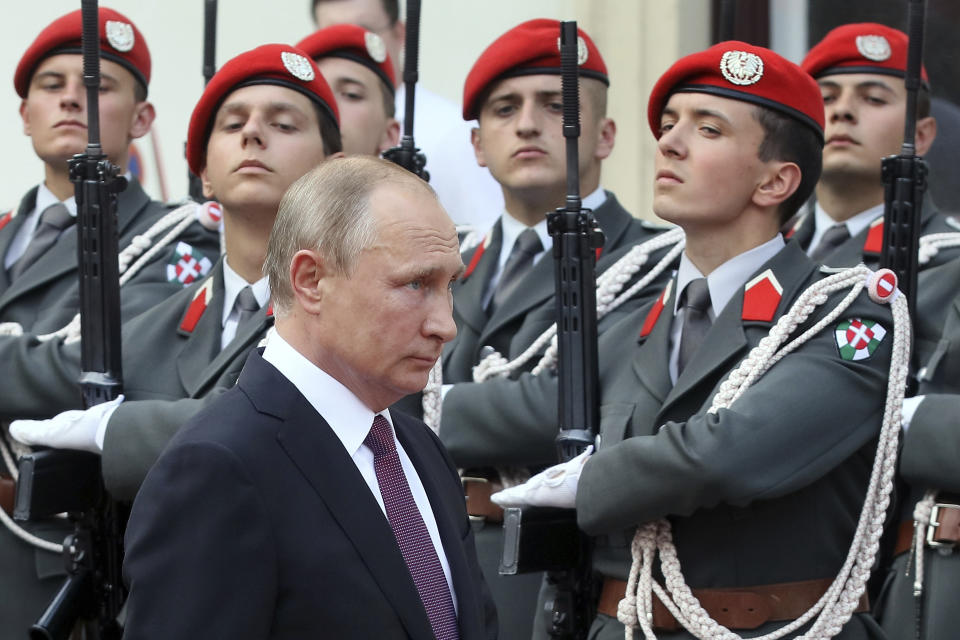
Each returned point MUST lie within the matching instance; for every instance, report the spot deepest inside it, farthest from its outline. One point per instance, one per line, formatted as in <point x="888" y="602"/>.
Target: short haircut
<point x="328" y="210"/>
<point x="390" y="7"/>
<point x="786" y="139"/>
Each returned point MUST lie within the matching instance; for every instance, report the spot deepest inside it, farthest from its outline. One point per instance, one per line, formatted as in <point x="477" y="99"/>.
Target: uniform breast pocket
<point x="613" y="422"/>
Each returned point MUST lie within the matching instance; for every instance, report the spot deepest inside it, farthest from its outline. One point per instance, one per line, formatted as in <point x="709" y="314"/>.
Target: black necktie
<point x="832" y="238"/>
<point x="525" y="249"/>
<point x="52" y="223"/>
<point x="246" y="305"/>
<point x="695" y="302"/>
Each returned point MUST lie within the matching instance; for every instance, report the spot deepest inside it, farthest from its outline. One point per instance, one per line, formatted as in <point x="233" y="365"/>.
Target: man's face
<point x="368" y="14"/>
<point x="706" y="163"/>
<point x="520" y="136"/>
<point x="54" y="112"/>
<point x="364" y="125"/>
<point x="864" y="122"/>
<point x="393" y="314"/>
<point x="264" y="137"/>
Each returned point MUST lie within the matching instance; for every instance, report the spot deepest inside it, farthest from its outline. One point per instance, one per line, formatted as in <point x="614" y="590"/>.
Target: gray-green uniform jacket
<point x="45" y="296"/>
<point x="930" y="460"/>
<point x="765" y="492"/>
<point x="170" y="371"/>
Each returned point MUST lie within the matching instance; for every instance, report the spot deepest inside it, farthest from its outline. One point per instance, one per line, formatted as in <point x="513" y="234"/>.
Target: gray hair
<point x="328" y="210"/>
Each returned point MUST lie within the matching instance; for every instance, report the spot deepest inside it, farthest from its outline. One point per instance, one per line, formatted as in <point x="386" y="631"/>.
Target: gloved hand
<point x="553" y="487"/>
<point x="81" y="430"/>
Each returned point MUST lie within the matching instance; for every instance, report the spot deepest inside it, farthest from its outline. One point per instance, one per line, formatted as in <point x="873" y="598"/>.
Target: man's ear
<point x="477" y="147"/>
<point x="143" y="116"/>
<point x="25" y="116"/>
<point x="926" y="134"/>
<point x="606" y="135"/>
<point x="391" y="135"/>
<point x="780" y="182"/>
<point x="207" y="187"/>
<point x="309" y="276"/>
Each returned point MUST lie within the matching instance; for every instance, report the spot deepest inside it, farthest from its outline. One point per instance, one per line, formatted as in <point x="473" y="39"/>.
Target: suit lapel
<point x="651" y="360"/>
<point x="319" y="455"/>
<point x="7" y="234"/>
<point x="203" y="341"/>
<point x="129" y="203"/>
<point x="247" y="336"/>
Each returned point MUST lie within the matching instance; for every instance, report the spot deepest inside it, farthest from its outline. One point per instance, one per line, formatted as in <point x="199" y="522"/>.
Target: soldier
<point x="466" y="191"/>
<point x="38" y="282"/>
<point x="928" y="466"/>
<point x="265" y="119"/>
<point x="860" y="69"/>
<point x="356" y="65"/>
<point x="761" y="495"/>
<point x="505" y="299"/>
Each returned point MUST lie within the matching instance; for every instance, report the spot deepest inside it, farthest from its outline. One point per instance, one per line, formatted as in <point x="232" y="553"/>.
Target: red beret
<point x="277" y="64"/>
<point x="353" y="43"/>
<point x="120" y="42"/>
<point x="531" y="48"/>
<point x="863" y="47"/>
<point x="741" y="71"/>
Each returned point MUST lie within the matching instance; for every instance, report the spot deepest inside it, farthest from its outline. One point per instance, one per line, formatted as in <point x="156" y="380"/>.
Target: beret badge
<point x="741" y="67"/>
<point x="298" y="66"/>
<point x="375" y="47"/>
<point x="874" y="48"/>
<point x="120" y="35"/>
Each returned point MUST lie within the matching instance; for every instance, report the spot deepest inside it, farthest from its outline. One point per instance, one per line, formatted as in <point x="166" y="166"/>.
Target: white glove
<point x="83" y="430"/>
<point x="910" y="406"/>
<point x="553" y="487"/>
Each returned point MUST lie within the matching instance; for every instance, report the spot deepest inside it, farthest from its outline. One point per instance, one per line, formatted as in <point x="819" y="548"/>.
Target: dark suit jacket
<point x="255" y="523"/>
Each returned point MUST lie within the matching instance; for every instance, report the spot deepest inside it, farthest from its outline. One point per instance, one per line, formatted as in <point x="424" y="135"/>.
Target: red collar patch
<point x="197" y="306"/>
<point x="874" y="241"/>
<point x="795" y="227"/>
<point x="270" y="310"/>
<point x="655" y="311"/>
<point x="475" y="260"/>
<point x="7" y="217"/>
<point x="761" y="297"/>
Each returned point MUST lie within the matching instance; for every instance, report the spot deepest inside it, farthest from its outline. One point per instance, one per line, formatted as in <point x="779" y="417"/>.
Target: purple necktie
<point x="410" y="531"/>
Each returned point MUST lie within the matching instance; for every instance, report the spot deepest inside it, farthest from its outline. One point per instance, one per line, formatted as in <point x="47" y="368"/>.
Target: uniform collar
<point x="822" y="221"/>
<point x="729" y="278"/>
<point x="346" y="414"/>
<point x="45" y="198"/>
<point x="233" y="283"/>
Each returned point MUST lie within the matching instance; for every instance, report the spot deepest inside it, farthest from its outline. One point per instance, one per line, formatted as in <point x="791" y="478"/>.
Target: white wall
<point x="454" y="32"/>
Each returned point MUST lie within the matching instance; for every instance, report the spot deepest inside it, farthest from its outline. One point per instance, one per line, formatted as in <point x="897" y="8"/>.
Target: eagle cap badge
<point x="582" y="53"/>
<point x="741" y="67"/>
<point x="376" y="49"/>
<point x="120" y="35"/>
<point x="298" y="66"/>
<point x="874" y="48"/>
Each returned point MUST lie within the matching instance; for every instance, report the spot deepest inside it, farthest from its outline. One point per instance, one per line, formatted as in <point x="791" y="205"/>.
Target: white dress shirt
<point x="233" y="283"/>
<point x="723" y="283"/>
<point x="24" y="234"/>
<point x="822" y="221"/>
<point x="511" y="228"/>
<point x="351" y="421"/>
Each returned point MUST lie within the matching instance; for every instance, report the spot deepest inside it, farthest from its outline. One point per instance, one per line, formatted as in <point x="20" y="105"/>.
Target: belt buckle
<point x="934" y="523"/>
<point x="476" y="521"/>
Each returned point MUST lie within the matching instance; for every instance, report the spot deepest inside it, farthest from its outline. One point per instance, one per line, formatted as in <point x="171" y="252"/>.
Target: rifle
<point x="53" y="481"/>
<point x="547" y="539"/>
<point x="905" y="177"/>
<point x="195" y="188"/>
<point x="407" y="155"/>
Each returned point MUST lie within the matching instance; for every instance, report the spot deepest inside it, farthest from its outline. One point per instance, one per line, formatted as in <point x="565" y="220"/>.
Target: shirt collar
<point x="346" y="414"/>
<point x="233" y="283"/>
<point x="854" y="225"/>
<point x="724" y="281"/>
<point x="45" y="198"/>
<point x="511" y="227"/>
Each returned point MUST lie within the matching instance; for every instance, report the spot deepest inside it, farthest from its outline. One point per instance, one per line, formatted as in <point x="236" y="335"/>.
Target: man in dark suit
<point x="297" y="505"/>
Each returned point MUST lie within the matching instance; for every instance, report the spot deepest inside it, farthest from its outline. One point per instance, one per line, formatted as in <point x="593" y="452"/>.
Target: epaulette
<point x="655" y="311"/>
<point x="761" y="297"/>
<point x="196" y="308"/>
<point x="874" y="241"/>
<point x="5" y="219"/>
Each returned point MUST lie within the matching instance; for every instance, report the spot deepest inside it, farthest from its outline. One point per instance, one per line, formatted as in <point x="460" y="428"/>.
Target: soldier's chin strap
<point x="841" y="599"/>
<point x="610" y="295"/>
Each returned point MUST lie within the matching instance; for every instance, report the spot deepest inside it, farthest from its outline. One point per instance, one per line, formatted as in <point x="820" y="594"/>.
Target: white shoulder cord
<point x="841" y="599"/>
<point x="930" y="244"/>
<point x="609" y="284"/>
<point x="132" y="259"/>
<point x="176" y="221"/>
